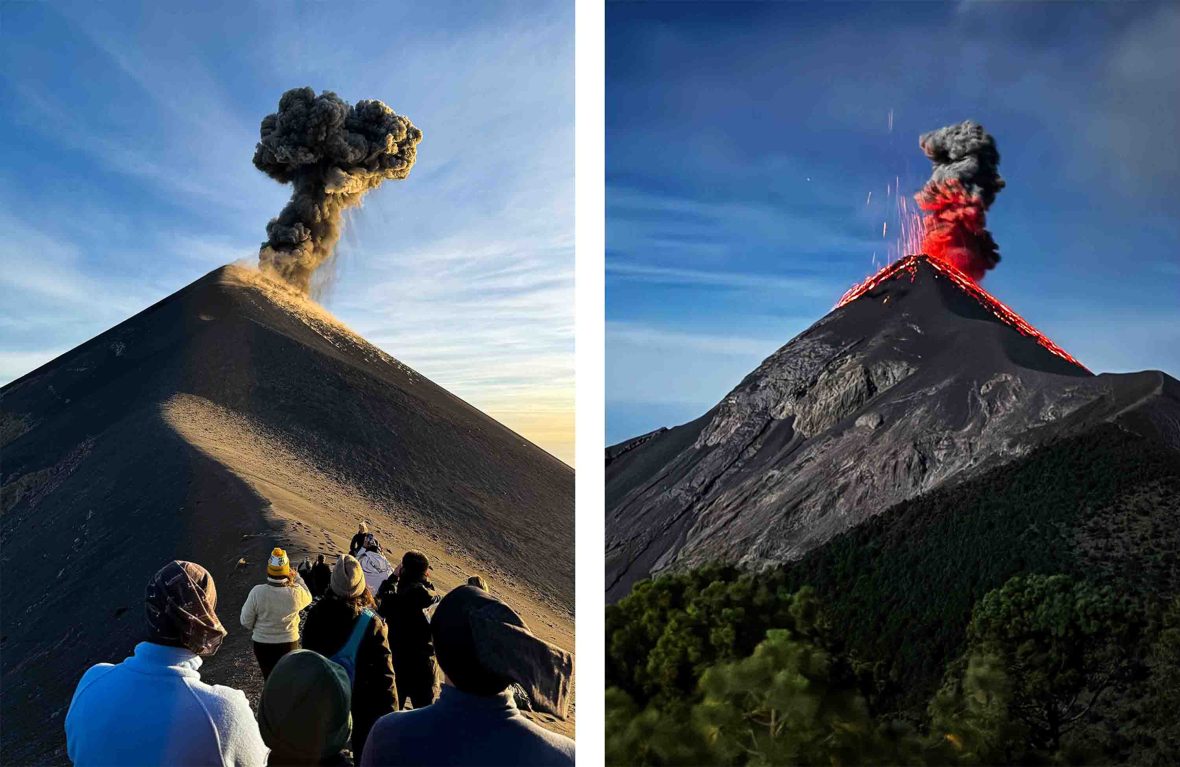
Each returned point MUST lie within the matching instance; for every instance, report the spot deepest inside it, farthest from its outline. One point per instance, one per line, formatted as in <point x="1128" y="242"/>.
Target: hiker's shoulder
<point x="559" y="747"/>
<point x="395" y="727"/>
<point x="94" y="675"/>
<point x="418" y="593"/>
<point x="377" y="625"/>
<point x="228" y="701"/>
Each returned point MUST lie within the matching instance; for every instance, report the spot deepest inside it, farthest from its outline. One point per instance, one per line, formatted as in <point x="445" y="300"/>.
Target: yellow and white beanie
<point x="278" y="566"/>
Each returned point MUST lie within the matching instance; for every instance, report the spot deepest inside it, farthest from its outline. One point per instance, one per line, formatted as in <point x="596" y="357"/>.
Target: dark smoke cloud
<point x="331" y="153"/>
<point x="962" y="186"/>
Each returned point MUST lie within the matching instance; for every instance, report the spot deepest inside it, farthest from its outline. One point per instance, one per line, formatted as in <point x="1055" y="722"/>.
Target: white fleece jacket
<point x="153" y="709"/>
<point x="272" y="612"/>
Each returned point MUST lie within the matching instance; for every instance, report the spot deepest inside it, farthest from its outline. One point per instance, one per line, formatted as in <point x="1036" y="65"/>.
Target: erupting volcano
<point x="909" y="265"/>
<point x="953" y="233"/>
<point x="917" y="380"/>
<point x="963" y="184"/>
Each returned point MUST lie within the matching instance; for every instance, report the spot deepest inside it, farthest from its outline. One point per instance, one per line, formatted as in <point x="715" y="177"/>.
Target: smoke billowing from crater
<point x="331" y="153"/>
<point x="962" y="186"/>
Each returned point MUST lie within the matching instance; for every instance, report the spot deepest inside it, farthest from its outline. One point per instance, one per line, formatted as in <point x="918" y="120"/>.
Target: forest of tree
<point x="1029" y="616"/>
<point x="716" y="667"/>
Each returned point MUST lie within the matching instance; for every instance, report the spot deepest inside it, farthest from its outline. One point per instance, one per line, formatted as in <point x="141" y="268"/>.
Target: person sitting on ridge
<point x="413" y="651"/>
<point x="358" y="540"/>
<point x="304" y="712"/>
<point x="271" y="611"/>
<point x="483" y="647"/>
<point x="153" y="708"/>
<point x="328" y="630"/>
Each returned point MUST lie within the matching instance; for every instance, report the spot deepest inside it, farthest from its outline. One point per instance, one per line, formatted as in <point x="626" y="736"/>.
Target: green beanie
<point x="305" y="712"/>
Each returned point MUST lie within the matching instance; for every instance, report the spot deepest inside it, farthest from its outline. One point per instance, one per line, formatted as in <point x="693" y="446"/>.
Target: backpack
<point x="346" y="655"/>
<point x="376" y="569"/>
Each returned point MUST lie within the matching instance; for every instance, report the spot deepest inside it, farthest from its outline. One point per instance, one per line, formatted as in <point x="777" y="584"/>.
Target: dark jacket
<point x="386" y="594"/>
<point x="321" y="576"/>
<point x="374" y="691"/>
<point x="410" y="638"/>
<point x="465" y="730"/>
<point x="358" y="540"/>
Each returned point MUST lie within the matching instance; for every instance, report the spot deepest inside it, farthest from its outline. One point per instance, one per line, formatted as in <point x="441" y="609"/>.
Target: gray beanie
<point x="348" y="580"/>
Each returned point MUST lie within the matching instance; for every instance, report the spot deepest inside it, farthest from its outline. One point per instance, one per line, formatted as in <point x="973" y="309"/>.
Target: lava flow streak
<point x="909" y="265"/>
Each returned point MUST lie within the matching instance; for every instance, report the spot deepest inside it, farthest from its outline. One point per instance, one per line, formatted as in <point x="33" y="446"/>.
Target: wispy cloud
<point x="1119" y="339"/>
<point x="657" y="375"/>
<point x="464" y="271"/>
<point x="800" y="286"/>
<point x="491" y="323"/>
<point x="716" y="229"/>
<point x="187" y="143"/>
<point x="43" y="270"/>
<point x="657" y="339"/>
<point x="13" y="365"/>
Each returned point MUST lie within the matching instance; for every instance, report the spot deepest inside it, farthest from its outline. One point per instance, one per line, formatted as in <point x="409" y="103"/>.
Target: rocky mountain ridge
<point x="914" y="385"/>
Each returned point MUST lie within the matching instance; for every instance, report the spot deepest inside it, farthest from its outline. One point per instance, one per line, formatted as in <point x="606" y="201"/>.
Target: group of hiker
<point x="338" y="694"/>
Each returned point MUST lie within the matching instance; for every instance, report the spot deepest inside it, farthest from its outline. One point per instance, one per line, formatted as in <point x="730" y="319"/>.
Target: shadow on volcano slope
<point x="228" y="418"/>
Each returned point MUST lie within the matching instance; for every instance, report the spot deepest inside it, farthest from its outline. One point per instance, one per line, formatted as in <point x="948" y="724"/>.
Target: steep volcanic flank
<point x="228" y="418"/>
<point x="909" y="266"/>
<point x="917" y="380"/>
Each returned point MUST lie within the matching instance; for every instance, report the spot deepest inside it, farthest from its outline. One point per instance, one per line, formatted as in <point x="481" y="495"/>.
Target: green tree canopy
<point x="789" y="702"/>
<point x="1041" y="653"/>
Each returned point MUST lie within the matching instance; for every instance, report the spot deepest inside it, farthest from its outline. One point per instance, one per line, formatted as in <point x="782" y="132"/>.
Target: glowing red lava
<point x="954" y="228"/>
<point x="909" y="264"/>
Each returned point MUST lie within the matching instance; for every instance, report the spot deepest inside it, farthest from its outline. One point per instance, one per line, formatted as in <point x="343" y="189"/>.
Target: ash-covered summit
<point x="919" y="381"/>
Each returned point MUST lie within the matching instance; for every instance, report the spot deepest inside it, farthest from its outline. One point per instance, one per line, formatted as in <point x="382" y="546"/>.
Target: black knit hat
<point x="484" y="646"/>
<point x="414" y="566"/>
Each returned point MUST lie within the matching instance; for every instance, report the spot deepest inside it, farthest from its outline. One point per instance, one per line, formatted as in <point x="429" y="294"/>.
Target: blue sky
<point x="743" y="140"/>
<point x="128" y="131"/>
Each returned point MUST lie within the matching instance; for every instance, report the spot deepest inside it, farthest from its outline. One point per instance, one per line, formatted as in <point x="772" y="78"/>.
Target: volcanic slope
<point x="916" y="384"/>
<point x="231" y="417"/>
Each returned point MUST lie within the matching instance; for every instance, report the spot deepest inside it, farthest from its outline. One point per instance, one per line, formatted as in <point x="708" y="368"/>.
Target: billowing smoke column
<point x="331" y="153"/>
<point x="961" y="188"/>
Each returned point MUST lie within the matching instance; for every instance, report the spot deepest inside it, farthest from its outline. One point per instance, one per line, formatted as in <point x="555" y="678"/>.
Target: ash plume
<point x="331" y="153"/>
<point x="962" y="186"/>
